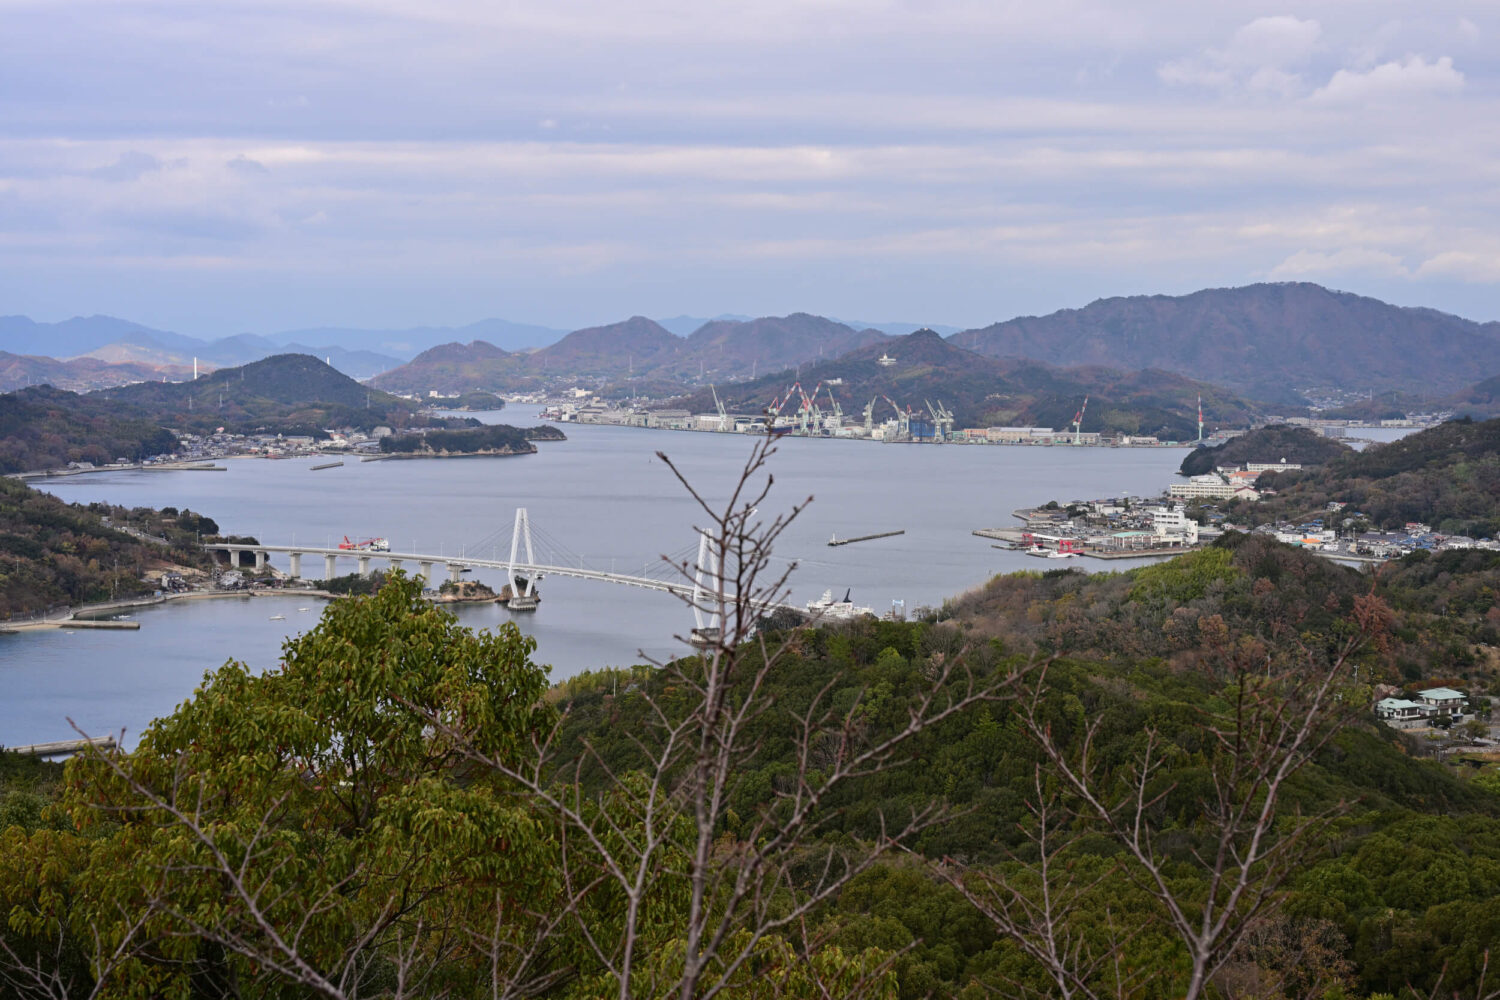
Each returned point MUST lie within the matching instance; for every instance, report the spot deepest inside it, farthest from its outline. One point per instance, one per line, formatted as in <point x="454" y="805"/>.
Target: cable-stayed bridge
<point x="534" y="554"/>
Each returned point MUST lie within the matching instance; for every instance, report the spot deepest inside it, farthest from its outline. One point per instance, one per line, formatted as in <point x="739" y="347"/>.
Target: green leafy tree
<point x="309" y="830"/>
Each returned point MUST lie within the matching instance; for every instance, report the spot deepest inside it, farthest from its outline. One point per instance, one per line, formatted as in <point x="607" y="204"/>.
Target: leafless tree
<point x="1242" y="849"/>
<point x="662" y="828"/>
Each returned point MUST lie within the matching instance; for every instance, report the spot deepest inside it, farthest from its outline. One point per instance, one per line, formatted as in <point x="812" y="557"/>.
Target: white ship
<point x="826" y="608"/>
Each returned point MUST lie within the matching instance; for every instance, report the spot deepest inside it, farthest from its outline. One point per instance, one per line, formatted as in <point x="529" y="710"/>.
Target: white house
<point x="1444" y="701"/>
<point x="1400" y="713"/>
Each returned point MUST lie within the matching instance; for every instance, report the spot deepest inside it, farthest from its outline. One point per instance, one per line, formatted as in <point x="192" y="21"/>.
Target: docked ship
<point x="826" y="608"/>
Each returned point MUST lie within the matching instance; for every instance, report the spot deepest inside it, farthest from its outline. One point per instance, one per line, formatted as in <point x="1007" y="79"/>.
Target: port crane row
<point x="807" y="415"/>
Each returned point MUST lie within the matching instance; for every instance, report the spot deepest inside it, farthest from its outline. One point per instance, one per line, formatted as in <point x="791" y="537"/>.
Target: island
<point x="495" y="439"/>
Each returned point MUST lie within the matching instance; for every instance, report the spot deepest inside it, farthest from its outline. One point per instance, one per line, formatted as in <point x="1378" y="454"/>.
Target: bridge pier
<point x="261" y="555"/>
<point x="364" y="566"/>
<point x="426" y="573"/>
<point x="294" y="565"/>
<point x="453" y="571"/>
<point x="330" y="566"/>
<point x="395" y="565"/>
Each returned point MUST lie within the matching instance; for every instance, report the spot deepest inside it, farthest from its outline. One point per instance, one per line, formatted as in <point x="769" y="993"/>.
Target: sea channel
<point x="603" y="497"/>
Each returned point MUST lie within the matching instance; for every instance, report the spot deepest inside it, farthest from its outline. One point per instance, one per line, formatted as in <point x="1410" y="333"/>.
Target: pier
<point x="327" y="465"/>
<point x="836" y="540"/>
<point x="58" y="748"/>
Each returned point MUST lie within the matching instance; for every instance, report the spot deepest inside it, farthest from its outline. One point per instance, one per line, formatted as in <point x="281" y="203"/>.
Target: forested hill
<point x="1382" y="876"/>
<point x="990" y="392"/>
<point x="45" y="428"/>
<point x="285" y="391"/>
<point x="1275" y="443"/>
<point x="1481" y="400"/>
<point x="1446" y="476"/>
<point x="52" y="553"/>
<point x="1265" y="340"/>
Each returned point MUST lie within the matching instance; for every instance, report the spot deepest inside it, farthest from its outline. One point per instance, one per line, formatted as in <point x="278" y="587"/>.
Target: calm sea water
<point x="602" y="496"/>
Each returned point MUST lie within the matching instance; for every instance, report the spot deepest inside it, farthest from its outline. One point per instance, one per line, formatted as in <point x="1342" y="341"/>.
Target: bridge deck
<point x="679" y="588"/>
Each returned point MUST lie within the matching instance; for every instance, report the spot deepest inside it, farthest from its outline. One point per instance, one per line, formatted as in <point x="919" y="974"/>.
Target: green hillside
<point x="52" y="553"/>
<point x="1447" y="476"/>
<point x="1278" y="442"/>
<point x="46" y="428"/>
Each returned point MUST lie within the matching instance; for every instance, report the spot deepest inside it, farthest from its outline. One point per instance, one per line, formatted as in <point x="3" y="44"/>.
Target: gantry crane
<point x="942" y="421"/>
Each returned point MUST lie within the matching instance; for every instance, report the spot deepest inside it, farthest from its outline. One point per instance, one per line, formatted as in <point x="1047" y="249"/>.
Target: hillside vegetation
<point x="1391" y="880"/>
<point x="45" y="428"/>
<point x="287" y="393"/>
<point x="1266" y="340"/>
<point x="52" y="553"/>
<point x="1446" y="476"/>
<point x="1276" y="443"/>
<point x="492" y="439"/>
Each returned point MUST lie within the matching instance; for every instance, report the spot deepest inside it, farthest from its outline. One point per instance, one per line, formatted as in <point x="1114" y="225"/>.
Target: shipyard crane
<point x="838" y="411"/>
<point x="773" y="412"/>
<point x="942" y="421"/>
<point x="1078" y="422"/>
<point x="903" y="418"/>
<point x="870" y="416"/>
<point x="723" y="417"/>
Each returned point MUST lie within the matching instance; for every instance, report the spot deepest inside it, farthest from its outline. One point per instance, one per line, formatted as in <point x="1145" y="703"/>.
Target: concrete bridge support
<point x="453" y="571"/>
<point x="395" y="565"/>
<point x="294" y="565"/>
<point x="261" y="555"/>
<point x="426" y="573"/>
<point x="330" y="567"/>
<point x="364" y="566"/>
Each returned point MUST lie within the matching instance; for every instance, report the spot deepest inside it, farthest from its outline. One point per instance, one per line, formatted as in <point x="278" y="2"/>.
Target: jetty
<point x="327" y="465"/>
<point x="100" y="623"/>
<point x="59" y="747"/>
<point x="836" y="540"/>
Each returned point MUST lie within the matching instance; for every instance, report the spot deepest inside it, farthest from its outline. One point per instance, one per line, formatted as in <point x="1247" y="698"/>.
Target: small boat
<point x="278" y="618"/>
<point x="304" y="609"/>
<point x="1063" y="555"/>
<point x="1040" y="551"/>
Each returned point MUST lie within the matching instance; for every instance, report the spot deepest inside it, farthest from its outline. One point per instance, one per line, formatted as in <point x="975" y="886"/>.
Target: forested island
<point x="491" y="439"/>
<point x="1275" y="443"/>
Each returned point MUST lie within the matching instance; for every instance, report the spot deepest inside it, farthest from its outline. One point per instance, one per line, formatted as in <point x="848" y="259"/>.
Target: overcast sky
<point x="216" y="167"/>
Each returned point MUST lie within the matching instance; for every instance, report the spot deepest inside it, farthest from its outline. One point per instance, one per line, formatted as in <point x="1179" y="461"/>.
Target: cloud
<point x="1260" y="57"/>
<point x="1413" y="76"/>
<point x="1314" y="263"/>
<point x="1482" y="268"/>
<point x="242" y="164"/>
<point x="129" y="166"/>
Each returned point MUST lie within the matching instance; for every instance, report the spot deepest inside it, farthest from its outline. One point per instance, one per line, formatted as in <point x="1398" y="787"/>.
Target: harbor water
<point x="603" y="499"/>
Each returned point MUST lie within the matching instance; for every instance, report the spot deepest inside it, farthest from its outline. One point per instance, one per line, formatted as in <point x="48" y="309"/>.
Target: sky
<point x="214" y="168"/>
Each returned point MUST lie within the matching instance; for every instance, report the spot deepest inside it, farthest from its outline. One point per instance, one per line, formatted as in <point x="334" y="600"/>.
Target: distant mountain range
<point x="636" y="349"/>
<point x="81" y="374"/>
<point x="1267" y="340"/>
